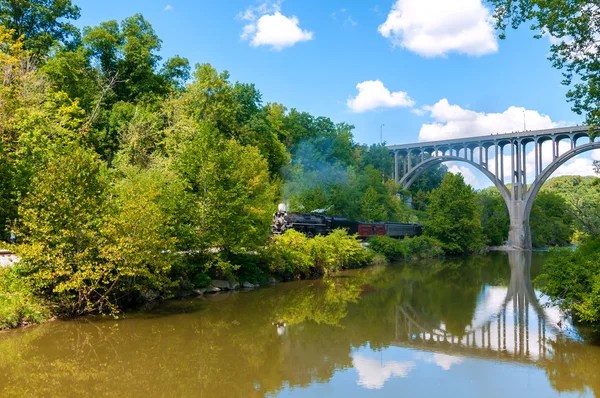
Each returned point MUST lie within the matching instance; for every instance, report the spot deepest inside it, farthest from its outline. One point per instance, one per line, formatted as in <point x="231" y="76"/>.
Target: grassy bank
<point x="19" y="306"/>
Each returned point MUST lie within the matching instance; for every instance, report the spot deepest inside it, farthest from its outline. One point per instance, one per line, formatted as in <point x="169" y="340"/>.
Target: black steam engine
<point x="312" y="224"/>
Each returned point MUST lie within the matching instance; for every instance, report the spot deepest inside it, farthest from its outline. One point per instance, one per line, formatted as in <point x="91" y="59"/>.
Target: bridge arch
<point x="412" y="176"/>
<point x="548" y="171"/>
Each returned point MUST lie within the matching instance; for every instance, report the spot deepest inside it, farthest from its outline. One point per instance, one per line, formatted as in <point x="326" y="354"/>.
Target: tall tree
<point x="454" y="216"/>
<point x="574" y="26"/>
<point x="495" y="219"/>
<point x="42" y="22"/>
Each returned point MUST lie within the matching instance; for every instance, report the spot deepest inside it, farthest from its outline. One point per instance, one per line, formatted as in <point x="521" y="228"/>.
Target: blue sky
<point x="429" y="68"/>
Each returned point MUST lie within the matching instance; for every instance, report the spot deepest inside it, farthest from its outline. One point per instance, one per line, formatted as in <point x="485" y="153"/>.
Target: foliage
<point x="18" y="304"/>
<point x="495" y="220"/>
<point x="408" y="248"/>
<point x="427" y="182"/>
<point x="294" y="254"/>
<point x="582" y="195"/>
<point x="550" y="220"/>
<point x="571" y="280"/>
<point x="424" y="247"/>
<point x="392" y="249"/>
<point x="41" y="22"/>
<point x="575" y="26"/>
<point x="88" y="246"/>
<point x="229" y="193"/>
<point x="454" y="217"/>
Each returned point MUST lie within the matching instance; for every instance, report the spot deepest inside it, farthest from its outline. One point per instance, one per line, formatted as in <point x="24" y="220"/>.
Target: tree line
<point x="123" y="175"/>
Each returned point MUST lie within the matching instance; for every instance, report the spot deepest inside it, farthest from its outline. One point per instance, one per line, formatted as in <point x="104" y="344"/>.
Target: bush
<point x="423" y="247"/>
<point x="409" y="248"/>
<point x="18" y="305"/>
<point x="392" y="249"/>
<point x="90" y="246"/>
<point x="294" y="254"/>
<point x="572" y="281"/>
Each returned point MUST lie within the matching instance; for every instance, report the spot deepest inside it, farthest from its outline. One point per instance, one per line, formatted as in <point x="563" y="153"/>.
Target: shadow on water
<point x="296" y="336"/>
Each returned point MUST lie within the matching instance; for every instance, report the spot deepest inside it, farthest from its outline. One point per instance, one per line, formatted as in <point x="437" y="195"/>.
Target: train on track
<point x="312" y="224"/>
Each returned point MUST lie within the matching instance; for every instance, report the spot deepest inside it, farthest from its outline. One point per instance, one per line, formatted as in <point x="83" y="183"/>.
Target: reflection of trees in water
<point x="574" y="366"/>
<point x="231" y="347"/>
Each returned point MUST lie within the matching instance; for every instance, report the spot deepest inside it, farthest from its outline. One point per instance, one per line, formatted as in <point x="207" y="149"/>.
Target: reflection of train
<point x="318" y="224"/>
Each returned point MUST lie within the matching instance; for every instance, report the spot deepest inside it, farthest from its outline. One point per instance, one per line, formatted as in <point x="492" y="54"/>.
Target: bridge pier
<point x="519" y="235"/>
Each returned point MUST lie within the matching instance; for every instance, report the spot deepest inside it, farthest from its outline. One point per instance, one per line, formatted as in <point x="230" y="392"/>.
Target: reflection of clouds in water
<point x="489" y="303"/>
<point x="446" y="361"/>
<point x="442" y="360"/>
<point x="372" y="374"/>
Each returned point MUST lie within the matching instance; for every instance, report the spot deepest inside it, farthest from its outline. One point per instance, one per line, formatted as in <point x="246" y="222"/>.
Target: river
<point x="465" y="327"/>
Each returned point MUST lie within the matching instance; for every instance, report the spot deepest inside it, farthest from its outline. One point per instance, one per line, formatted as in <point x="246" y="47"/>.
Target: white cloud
<point x="269" y="27"/>
<point x="452" y="121"/>
<point x="168" y="8"/>
<point x="433" y="28"/>
<point x="372" y="374"/>
<point x="372" y="94"/>
<point x="466" y="173"/>
<point x="254" y="12"/>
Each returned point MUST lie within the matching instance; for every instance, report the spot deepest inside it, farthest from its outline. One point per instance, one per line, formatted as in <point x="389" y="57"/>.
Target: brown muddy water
<point x="469" y="327"/>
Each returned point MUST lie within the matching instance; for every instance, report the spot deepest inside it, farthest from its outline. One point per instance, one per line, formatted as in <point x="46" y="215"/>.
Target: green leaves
<point x="572" y="281"/>
<point x="454" y="217"/>
<point x="575" y="24"/>
<point x="42" y="22"/>
<point x="294" y="254"/>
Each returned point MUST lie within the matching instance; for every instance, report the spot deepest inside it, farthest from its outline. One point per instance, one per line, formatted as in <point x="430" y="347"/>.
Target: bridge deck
<point x="492" y="137"/>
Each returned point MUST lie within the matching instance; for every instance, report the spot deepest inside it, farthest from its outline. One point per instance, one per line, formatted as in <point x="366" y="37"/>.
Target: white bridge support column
<point x="519" y="235"/>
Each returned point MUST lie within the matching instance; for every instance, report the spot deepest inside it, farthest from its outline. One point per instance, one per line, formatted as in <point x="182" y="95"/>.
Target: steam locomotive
<point x="312" y="224"/>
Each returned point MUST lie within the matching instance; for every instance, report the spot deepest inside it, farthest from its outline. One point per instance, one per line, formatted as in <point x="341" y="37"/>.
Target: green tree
<point x="582" y="195"/>
<point x="454" y="217"/>
<point x="495" y="219"/>
<point x="551" y="221"/>
<point x="60" y="226"/>
<point x="576" y="26"/>
<point x="89" y="246"/>
<point x="230" y="190"/>
<point x="572" y="281"/>
<point x="41" y="22"/>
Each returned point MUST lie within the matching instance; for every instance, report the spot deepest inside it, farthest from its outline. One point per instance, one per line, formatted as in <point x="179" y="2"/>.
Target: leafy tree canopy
<point x="454" y="216"/>
<point x="41" y="22"/>
<point x="575" y="24"/>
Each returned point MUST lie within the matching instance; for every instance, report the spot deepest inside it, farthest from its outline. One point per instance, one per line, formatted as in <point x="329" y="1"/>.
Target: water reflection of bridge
<point x="519" y="329"/>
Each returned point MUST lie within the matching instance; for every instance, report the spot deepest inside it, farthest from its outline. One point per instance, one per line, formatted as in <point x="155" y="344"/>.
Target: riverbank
<point x="289" y="257"/>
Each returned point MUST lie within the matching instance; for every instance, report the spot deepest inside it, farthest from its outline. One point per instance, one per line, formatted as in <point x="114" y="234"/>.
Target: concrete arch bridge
<point x="412" y="160"/>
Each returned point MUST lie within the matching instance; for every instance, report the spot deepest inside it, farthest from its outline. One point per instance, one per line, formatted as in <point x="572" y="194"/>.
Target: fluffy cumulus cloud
<point x="452" y="121"/>
<point x="267" y="26"/>
<point x="467" y="174"/>
<point x="433" y="28"/>
<point x="372" y="374"/>
<point x="372" y="94"/>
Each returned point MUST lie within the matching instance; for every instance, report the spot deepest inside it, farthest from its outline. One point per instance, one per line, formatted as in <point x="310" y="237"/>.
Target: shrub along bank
<point x="571" y="279"/>
<point x="406" y="249"/>
<point x="18" y="305"/>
